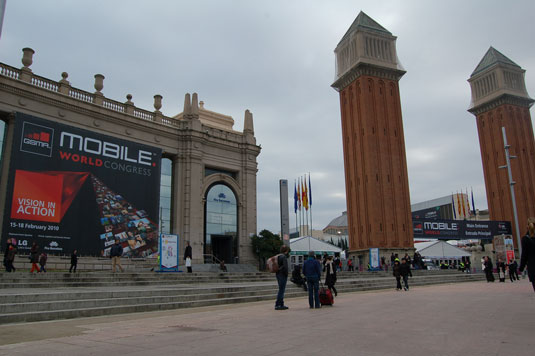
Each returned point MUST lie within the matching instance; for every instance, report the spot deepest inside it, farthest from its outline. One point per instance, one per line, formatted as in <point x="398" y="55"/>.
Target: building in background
<point x="79" y="169"/>
<point x="377" y="188"/>
<point x="499" y="99"/>
<point x="451" y="207"/>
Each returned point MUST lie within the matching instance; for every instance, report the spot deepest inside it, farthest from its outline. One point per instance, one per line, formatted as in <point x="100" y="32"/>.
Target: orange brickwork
<point x="377" y="187"/>
<point x="519" y="130"/>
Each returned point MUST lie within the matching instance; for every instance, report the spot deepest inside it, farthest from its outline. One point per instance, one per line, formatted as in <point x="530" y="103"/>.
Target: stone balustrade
<point x="63" y="87"/>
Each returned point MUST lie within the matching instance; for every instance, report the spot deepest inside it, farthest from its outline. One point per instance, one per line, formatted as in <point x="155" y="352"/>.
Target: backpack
<point x="272" y="264"/>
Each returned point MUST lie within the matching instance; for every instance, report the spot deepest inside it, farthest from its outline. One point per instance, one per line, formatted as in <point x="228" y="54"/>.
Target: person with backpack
<point x="282" y="276"/>
<point x="312" y="272"/>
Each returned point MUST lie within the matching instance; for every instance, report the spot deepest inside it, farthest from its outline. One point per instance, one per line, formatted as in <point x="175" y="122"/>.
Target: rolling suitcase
<point x="326" y="297"/>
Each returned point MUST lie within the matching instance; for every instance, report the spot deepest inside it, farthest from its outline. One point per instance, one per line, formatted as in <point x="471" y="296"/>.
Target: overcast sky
<point x="276" y="59"/>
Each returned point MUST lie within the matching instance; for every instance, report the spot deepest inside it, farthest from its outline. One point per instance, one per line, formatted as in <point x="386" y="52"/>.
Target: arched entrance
<point x="221" y="223"/>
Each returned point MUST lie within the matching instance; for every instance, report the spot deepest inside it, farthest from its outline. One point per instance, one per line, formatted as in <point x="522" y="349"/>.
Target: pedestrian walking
<point x="312" y="272"/>
<point x="188" y="255"/>
<point x="330" y="275"/>
<point x="350" y="266"/>
<point x="74" y="261"/>
<point x="405" y="271"/>
<point x="513" y="271"/>
<point x="116" y="252"/>
<point x="42" y="262"/>
<point x="10" y="257"/>
<point x="487" y="267"/>
<point x="501" y="270"/>
<point x="396" y="271"/>
<point x="528" y="252"/>
<point x="6" y="252"/>
<point x="282" y="276"/>
<point x="34" y="257"/>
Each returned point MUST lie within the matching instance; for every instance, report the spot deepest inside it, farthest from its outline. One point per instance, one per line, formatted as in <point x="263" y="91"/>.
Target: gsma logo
<point x="37" y="139"/>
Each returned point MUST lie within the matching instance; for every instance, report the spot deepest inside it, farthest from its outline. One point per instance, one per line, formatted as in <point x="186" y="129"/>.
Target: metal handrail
<point x="211" y="258"/>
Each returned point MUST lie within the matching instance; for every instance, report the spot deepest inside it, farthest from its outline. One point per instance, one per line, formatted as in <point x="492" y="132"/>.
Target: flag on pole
<point x="462" y="202"/>
<point x="459" y="211"/>
<point x="309" y="192"/>
<point x="473" y="204"/>
<point x="453" y="207"/>
<point x="295" y="197"/>
<point x="468" y="203"/>
<point x="299" y="195"/>
<point x="305" y="194"/>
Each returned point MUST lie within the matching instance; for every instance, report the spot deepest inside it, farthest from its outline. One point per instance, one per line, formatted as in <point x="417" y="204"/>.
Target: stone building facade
<point x="377" y="189"/>
<point x="500" y="99"/>
<point x="209" y="190"/>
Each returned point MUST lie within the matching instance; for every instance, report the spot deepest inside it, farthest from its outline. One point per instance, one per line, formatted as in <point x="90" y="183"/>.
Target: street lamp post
<point x="512" y="183"/>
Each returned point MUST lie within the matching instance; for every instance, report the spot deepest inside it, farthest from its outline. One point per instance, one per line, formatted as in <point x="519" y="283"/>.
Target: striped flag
<point x="305" y="194"/>
<point x="453" y="207"/>
<point x="458" y="205"/>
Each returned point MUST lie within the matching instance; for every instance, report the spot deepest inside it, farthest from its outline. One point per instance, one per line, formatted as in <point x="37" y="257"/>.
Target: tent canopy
<point x="440" y="250"/>
<point x="301" y="246"/>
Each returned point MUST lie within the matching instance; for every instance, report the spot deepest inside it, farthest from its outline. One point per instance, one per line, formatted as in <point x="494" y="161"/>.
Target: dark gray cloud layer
<point x="276" y="59"/>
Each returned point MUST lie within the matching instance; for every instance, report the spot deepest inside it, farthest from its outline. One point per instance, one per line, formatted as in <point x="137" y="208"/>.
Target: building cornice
<point x="365" y="69"/>
<point x="505" y="99"/>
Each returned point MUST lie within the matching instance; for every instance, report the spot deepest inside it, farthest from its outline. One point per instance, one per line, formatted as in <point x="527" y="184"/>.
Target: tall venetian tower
<point x="377" y="187"/>
<point x="500" y="99"/>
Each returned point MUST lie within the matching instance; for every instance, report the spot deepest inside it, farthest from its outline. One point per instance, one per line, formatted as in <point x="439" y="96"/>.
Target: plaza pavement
<point x="468" y="319"/>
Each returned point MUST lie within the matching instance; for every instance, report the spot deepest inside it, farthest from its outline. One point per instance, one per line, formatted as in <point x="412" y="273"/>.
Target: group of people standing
<point x="511" y="268"/>
<point x="312" y="271"/>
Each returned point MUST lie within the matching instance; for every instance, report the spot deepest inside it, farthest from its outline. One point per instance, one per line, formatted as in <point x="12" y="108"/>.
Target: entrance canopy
<point x="301" y="246"/>
<point x="440" y="250"/>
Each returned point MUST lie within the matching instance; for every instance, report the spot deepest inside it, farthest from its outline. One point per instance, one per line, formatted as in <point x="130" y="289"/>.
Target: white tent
<point x="301" y="246"/>
<point x="440" y="250"/>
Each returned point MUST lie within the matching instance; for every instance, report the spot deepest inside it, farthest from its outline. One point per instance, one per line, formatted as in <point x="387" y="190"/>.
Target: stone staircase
<point x="50" y="296"/>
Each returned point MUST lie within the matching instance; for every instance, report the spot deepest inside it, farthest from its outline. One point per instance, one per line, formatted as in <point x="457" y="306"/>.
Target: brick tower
<point x="500" y="99"/>
<point x="377" y="188"/>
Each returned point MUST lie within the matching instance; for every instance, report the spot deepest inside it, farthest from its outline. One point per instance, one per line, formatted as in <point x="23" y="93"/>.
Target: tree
<point x="265" y="245"/>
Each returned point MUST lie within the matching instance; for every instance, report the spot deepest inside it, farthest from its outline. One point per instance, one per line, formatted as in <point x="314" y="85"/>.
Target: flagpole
<point x="295" y="208"/>
<point x="310" y="201"/>
<point x="300" y="208"/>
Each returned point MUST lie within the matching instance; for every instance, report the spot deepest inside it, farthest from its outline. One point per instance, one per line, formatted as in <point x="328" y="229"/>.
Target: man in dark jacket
<point x="116" y="252"/>
<point x="188" y="254"/>
<point x="282" y="277"/>
<point x="312" y="273"/>
<point x="405" y="271"/>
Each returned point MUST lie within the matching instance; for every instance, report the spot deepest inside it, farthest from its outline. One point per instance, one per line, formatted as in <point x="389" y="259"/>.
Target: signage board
<point x="459" y="229"/>
<point x="70" y="188"/>
<point x="168" y="252"/>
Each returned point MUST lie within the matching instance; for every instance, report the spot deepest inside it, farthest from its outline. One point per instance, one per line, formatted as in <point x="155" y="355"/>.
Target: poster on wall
<point x="70" y="188"/>
<point x="168" y="252"/>
<point x="374" y="259"/>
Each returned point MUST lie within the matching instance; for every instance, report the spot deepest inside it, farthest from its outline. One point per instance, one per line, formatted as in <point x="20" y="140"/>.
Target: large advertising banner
<point x="459" y="229"/>
<point x="71" y="188"/>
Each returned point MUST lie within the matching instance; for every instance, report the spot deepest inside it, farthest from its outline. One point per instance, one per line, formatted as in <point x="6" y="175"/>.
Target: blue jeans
<point x="406" y="281"/>
<point x="281" y="279"/>
<point x="313" y="292"/>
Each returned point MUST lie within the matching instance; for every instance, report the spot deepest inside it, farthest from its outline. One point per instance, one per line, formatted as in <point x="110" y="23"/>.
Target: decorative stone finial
<point x="201" y="104"/>
<point x="64" y="75"/>
<point x="194" y="104"/>
<point x="187" y="105"/>
<point x="157" y="102"/>
<point x="248" y="126"/>
<point x="64" y="84"/>
<point x="99" y="83"/>
<point x="27" y="57"/>
<point x="129" y="99"/>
